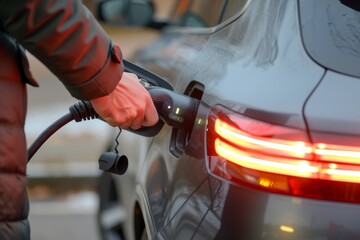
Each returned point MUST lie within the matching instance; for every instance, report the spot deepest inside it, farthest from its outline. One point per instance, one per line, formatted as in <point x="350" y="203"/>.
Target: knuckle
<point x="132" y="113"/>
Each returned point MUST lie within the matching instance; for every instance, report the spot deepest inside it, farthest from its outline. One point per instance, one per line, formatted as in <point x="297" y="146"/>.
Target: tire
<point x="110" y="214"/>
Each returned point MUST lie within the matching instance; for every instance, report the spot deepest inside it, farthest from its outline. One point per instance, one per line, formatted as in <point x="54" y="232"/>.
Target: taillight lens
<point x="281" y="159"/>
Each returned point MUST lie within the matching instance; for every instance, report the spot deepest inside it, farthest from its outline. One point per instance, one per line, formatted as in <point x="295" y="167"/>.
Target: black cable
<point x="40" y="140"/>
<point x="83" y="110"/>
<point x="79" y="111"/>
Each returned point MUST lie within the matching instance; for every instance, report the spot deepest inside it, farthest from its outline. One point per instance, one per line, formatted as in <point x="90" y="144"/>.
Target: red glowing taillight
<point x="281" y="159"/>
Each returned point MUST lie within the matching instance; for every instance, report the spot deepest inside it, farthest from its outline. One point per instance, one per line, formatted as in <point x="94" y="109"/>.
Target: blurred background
<point x="62" y="175"/>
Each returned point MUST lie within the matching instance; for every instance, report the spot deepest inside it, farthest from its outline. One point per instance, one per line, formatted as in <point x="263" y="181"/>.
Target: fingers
<point x="147" y="118"/>
<point x="128" y="106"/>
<point x="138" y="121"/>
<point x="151" y="116"/>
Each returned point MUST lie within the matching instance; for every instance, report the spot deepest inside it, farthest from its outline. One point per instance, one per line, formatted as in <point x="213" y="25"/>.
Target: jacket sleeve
<point x="65" y="36"/>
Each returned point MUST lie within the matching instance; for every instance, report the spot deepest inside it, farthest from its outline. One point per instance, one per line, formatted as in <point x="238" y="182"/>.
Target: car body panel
<point x="261" y="215"/>
<point x="163" y="175"/>
<point x="335" y="112"/>
<point x="240" y="213"/>
<point x="237" y="55"/>
<point x="330" y="32"/>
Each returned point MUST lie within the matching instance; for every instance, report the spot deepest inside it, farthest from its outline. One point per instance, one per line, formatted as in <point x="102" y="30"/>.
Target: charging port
<point x="180" y="137"/>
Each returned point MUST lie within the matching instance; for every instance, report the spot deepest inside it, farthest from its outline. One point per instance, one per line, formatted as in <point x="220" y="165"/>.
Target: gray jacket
<point x="63" y="35"/>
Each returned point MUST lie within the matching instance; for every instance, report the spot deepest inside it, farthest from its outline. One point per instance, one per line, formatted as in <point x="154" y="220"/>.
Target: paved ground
<point x="63" y="227"/>
<point x="69" y="212"/>
<point x="71" y="218"/>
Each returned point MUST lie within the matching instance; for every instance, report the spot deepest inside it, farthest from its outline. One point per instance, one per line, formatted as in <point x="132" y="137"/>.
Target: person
<point x="66" y="37"/>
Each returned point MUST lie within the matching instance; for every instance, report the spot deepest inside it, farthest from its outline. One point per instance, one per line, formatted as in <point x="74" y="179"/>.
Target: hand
<point x="129" y="105"/>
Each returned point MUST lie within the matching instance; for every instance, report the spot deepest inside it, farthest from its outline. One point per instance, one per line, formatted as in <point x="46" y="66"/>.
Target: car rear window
<point x="331" y="33"/>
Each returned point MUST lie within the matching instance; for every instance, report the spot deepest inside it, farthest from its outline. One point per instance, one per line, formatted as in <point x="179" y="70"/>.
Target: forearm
<point x="67" y="39"/>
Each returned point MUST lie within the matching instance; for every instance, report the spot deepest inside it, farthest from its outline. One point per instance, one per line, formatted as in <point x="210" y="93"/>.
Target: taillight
<point x="280" y="159"/>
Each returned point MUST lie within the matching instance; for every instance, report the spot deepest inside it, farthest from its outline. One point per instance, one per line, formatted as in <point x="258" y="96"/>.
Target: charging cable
<point x="80" y="111"/>
<point x="178" y="111"/>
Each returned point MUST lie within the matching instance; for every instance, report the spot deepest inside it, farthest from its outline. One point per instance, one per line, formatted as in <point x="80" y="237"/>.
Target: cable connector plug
<point x="82" y="111"/>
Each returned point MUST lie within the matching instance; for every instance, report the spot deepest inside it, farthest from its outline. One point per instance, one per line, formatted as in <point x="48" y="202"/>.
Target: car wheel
<point x="110" y="213"/>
